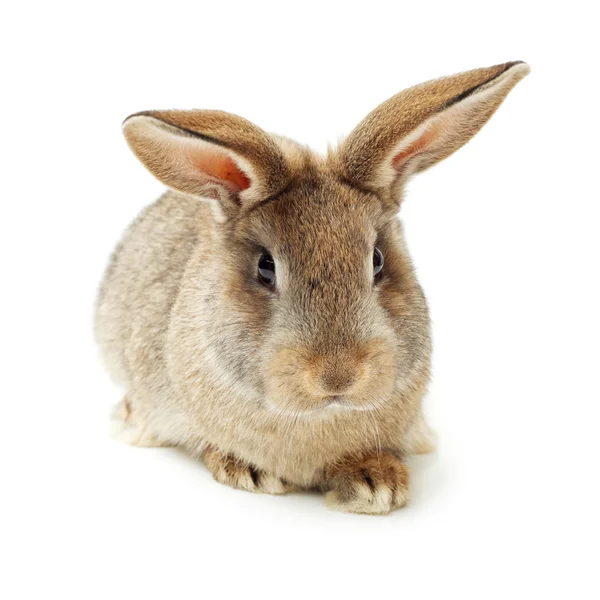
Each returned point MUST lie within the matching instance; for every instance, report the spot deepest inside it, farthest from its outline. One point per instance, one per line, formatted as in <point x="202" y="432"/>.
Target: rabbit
<point x="264" y="315"/>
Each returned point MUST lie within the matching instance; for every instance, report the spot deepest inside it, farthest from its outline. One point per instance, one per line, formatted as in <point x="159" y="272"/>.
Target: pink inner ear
<point x="424" y="141"/>
<point x="219" y="165"/>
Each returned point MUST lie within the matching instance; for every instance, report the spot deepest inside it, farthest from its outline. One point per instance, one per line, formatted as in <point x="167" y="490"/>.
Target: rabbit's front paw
<point x="372" y="484"/>
<point x="229" y="470"/>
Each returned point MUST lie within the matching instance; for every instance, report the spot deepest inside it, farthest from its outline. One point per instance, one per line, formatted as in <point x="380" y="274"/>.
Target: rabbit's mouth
<point x="343" y="403"/>
<point x="333" y="402"/>
<point x="359" y="377"/>
<point x="323" y="408"/>
<point x="336" y="402"/>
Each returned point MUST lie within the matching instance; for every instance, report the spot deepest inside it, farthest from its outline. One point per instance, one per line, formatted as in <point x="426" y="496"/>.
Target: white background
<point x="504" y="236"/>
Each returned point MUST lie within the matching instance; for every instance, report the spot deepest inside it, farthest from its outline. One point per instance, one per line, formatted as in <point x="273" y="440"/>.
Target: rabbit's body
<point x="144" y="313"/>
<point x="265" y="316"/>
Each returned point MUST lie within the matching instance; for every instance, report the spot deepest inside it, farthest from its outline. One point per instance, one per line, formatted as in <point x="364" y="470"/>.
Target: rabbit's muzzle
<point x="361" y="376"/>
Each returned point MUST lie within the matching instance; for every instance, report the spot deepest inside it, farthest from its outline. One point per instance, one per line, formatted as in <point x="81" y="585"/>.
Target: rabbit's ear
<point x="423" y="125"/>
<point x="211" y="154"/>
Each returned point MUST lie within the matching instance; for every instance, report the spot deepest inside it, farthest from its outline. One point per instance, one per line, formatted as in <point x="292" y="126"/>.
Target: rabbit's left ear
<point x="210" y="154"/>
<point x="423" y="125"/>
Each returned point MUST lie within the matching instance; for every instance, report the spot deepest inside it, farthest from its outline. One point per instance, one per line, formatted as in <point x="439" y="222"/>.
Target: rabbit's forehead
<point x="328" y="218"/>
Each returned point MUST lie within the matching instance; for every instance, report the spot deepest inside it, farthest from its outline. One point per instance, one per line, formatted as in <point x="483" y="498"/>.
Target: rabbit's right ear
<point x="210" y="154"/>
<point x="421" y="126"/>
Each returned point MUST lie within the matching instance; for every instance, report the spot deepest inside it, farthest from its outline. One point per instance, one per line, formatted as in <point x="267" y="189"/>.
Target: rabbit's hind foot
<point x="127" y="427"/>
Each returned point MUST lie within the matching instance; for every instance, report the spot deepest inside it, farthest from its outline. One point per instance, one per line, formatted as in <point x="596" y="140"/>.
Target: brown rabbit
<point x="264" y="314"/>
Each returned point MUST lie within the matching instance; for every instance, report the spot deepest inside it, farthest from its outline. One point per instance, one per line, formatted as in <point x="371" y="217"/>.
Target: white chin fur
<point x="324" y="411"/>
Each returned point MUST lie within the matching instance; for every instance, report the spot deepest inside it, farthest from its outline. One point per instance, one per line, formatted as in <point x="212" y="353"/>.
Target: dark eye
<point x="377" y="262"/>
<point x="266" y="269"/>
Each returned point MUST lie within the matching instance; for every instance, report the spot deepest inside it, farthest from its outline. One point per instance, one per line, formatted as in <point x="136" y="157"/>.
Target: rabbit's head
<point x="306" y="297"/>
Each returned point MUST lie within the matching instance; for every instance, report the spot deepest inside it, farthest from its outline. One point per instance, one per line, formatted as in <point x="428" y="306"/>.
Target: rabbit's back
<point x="141" y="284"/>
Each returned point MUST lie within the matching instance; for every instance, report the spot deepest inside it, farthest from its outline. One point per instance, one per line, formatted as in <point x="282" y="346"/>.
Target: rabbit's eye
<point x="266" y="269"/>
<point x="377" y="263"/>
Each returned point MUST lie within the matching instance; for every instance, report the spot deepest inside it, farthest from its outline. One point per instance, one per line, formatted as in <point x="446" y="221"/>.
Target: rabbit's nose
<point x="334" y="376"/>
<point x="336" y="380"/>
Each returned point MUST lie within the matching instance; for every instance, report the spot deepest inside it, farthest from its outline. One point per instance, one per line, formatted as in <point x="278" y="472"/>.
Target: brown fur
<point x="366" y="147"/>
<point x="220" y="365"/>
<point x="232" y="471"/>
<point x="372" y="483"/>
